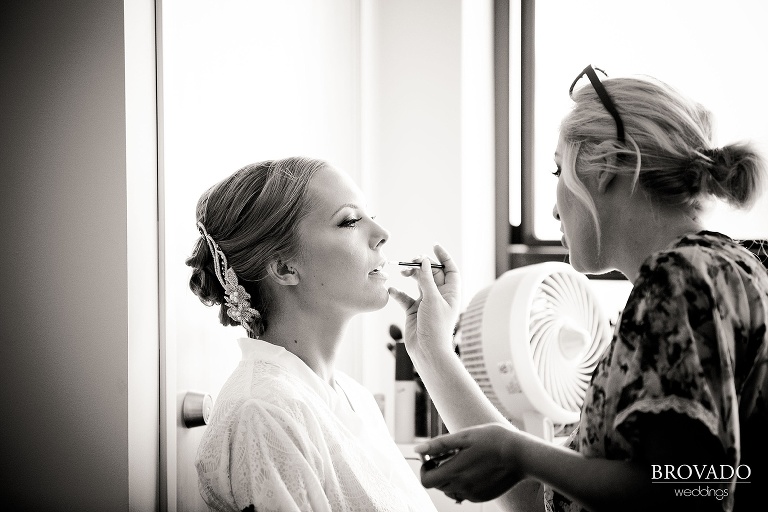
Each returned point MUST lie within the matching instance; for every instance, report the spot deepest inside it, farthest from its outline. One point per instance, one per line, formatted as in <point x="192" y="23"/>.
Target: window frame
<point x="518" y="246"/>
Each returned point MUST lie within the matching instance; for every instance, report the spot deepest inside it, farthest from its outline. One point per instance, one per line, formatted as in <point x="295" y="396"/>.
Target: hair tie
<point x="236" y="298"/>
<point x="716" y="163"/>
<point x="715" y="155"/>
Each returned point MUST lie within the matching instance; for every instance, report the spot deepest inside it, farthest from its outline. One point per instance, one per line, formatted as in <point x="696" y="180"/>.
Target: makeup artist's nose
<point x="555" y="213"/>
<point x="379" y="236"/>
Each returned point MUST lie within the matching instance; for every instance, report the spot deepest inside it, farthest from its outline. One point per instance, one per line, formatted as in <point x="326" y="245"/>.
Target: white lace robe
<point x="282" y="439"/>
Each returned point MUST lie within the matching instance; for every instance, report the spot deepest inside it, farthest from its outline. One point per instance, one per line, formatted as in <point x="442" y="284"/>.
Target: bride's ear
<point x="282" y="273"/>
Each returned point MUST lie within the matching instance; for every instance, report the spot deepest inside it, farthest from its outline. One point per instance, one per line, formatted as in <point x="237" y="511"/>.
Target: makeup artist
<point x="683" y="387"/>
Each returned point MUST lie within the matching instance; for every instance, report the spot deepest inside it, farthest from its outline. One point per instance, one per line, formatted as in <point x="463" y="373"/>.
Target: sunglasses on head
<point x="604" y="97"/>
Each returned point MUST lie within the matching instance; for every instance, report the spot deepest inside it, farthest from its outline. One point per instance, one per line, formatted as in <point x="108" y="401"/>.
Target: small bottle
<point x="405" y="396"/>
<point x="421" y="416"/>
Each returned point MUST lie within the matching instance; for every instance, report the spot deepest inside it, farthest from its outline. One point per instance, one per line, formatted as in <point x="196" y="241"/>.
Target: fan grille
<point x="567" y="334"/>
<point x="471" y="345"/>
<point x="563" y="322"/>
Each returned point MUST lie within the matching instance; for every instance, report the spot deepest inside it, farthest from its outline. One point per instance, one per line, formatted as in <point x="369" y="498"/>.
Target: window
<point x="705" y="48"/>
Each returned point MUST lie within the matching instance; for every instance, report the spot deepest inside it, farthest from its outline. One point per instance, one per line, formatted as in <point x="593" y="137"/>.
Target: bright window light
<point x="712" y="51"/>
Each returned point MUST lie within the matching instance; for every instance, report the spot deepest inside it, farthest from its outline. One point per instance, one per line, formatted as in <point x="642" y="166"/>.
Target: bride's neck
<point x="314" y="341"/>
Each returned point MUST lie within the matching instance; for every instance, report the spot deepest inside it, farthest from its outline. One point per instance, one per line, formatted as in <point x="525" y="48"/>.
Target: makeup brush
<point x="416" y="264"/>
<point x="396" y="334"/>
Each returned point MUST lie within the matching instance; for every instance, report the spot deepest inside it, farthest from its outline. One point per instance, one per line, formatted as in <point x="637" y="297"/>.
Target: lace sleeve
<point x="276" y="460"/>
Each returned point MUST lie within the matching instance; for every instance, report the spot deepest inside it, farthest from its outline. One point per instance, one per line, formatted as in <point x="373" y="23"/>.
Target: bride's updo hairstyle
<point x="246" y="221"/>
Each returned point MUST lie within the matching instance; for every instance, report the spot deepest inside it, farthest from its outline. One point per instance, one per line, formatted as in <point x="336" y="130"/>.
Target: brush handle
<point x="417" y="264"/>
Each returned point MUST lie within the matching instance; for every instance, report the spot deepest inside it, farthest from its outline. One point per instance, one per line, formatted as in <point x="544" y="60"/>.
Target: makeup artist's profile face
<point x="576" y="223"/>
<point x="341" y="262"/>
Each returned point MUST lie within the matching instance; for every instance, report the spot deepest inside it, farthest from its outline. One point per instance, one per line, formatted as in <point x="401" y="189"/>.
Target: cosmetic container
<point x="405" y="396"/>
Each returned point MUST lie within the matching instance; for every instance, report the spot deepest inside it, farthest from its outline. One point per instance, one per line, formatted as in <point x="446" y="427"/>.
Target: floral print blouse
<point x="691" y="339"/>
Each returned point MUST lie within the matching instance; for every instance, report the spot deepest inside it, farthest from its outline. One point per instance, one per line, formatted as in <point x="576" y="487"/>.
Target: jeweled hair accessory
<point x="238" y="301"/>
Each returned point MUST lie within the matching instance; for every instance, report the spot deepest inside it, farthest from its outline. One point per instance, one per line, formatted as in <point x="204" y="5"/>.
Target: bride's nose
<point x="379" y="236"/>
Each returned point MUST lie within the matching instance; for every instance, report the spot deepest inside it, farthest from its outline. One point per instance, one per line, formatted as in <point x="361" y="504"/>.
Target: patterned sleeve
<point x="276" y="462"/>
<point x="671" y="360"/>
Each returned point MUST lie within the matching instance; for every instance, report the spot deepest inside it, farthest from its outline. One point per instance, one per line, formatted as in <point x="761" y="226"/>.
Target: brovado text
<point x="700" y="472"/>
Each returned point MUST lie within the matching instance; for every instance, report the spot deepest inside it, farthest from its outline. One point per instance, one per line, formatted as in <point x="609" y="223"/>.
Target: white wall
<point x="78" y="327"/>
<point x="427" y="111"/>
<point x="142" y="254"/>
<point x="242" y="81"/>
<point x="391" y="92"/>
<point x="79" y="340"/>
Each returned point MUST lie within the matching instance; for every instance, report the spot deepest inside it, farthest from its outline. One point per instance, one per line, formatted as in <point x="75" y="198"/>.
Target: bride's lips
<point x="378" y="272"/>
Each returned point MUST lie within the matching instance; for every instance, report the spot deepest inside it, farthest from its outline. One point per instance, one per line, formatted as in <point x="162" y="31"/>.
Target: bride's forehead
<point x="331" y="188"/>
<point x="330" y="174"/>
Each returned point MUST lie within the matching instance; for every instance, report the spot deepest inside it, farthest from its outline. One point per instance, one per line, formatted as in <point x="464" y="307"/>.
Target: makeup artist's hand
<point x="484" y="467"/>
<point x="431" y="318"/>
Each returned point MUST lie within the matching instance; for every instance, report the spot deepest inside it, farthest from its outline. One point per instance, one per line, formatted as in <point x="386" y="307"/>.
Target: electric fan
<point x="531" y="340"/>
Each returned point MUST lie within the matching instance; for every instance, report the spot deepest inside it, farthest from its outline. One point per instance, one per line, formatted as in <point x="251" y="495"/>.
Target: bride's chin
<point x="373" y="303"/>
<point x="382" y="300"/>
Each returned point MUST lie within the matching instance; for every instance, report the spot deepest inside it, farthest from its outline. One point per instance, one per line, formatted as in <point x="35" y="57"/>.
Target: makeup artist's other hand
<point x="484" y="467"/>
<point x="431" y="318"/>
